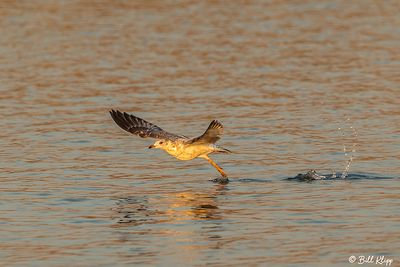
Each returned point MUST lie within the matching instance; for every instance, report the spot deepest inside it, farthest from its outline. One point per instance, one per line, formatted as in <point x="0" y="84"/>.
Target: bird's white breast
<point x="183" y="151"/>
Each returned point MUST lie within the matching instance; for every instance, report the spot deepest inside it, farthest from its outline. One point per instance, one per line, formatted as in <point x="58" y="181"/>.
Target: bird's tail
<point x="222" y="150"/>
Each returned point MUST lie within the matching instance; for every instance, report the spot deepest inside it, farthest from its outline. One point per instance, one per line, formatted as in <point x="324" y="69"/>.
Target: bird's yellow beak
<point x="152" y="146"/>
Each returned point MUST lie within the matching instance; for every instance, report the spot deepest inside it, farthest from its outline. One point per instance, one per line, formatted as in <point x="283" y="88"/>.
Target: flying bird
<point x="179" y="146"/>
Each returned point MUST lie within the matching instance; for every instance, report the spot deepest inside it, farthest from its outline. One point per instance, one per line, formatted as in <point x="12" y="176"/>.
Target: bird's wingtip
<point x="112" y="112"/>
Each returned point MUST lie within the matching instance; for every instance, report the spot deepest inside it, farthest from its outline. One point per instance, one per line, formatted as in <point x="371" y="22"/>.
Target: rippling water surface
<point x="282" y="77"/>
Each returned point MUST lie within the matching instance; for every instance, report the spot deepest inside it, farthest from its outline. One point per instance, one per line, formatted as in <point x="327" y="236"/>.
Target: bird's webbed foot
<point x="220" y="180"/>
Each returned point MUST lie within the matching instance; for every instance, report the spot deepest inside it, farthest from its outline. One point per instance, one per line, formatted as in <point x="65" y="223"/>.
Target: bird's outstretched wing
<point x="141" y="127"/>
<point x="211" y="135"/>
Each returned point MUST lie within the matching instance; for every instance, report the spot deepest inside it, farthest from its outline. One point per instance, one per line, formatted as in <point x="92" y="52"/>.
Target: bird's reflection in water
<point x="191" y="221"/>
<point x="169" y="207"/>
<point x="135" y="211"/>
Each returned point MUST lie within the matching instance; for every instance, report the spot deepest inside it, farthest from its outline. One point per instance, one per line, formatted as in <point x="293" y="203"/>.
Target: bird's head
<point x="158" y="144"/>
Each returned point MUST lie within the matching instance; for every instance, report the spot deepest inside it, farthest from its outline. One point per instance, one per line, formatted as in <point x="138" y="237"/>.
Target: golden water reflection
<point x="181" y="206"/>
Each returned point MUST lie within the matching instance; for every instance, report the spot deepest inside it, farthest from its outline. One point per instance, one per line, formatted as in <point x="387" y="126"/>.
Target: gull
<point x="179" y="146"/>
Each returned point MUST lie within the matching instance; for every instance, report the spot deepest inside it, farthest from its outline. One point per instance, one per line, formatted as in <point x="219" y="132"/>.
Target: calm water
<point x="282" y="77"/>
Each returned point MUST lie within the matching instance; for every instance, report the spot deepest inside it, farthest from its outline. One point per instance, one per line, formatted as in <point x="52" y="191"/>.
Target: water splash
<point x="349" y="156"/>
<point x="346" y="170"/>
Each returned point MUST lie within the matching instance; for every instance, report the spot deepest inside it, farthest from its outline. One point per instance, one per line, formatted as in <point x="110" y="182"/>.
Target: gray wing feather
<point x="211" y="135"/>
<point x="140" y="127"/>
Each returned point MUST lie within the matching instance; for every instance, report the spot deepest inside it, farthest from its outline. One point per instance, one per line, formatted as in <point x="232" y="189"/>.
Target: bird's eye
<point x="161" y="143"/>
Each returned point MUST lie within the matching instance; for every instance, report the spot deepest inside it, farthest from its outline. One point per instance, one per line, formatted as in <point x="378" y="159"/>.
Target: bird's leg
<point x="221" y="171"/>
